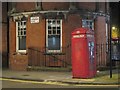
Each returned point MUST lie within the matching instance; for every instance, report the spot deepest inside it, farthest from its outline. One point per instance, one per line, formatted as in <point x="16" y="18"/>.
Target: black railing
<point x="102" y="57"/>
<point x="42" y="57"/>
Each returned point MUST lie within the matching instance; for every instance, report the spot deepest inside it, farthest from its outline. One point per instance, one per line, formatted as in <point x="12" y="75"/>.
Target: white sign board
<point x="34" y="19"/>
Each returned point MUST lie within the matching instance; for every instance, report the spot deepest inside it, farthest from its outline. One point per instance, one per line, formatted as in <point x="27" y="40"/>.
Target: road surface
<point x="14" y="83"/>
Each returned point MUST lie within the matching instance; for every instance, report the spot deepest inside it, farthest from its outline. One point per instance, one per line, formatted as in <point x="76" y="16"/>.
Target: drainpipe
<point x="7" y="36"/>
<point x="106" y="12"/>
<point x="110" y="53"/>
<point x="106" y="34"/>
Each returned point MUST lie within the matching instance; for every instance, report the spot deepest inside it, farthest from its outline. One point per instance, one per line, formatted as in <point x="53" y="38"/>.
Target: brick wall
<point x="100" y="36"/>
<point x="100" y="30"/>
<point x="55" y="5"/>
<point x="4" y="46"/>
<point x="87" y="5"/>
<point x="36" y="34"/>
<point x="18" y="62"/>
<point x="4" y="35"/>
<point x="31" y="6"/>
<point x="25" y="6"/>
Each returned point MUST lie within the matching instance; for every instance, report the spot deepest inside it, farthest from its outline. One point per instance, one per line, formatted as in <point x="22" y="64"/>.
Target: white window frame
<point x="17" y="39"/>
<point x="38" y="4"/>
<point x="53" y="51"/>
<point x="89" y="23"/>
<point x="106" y="37"/>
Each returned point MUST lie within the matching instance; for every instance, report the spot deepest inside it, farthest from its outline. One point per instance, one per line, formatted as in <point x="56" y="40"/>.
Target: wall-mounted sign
<point x="34" y="19"/>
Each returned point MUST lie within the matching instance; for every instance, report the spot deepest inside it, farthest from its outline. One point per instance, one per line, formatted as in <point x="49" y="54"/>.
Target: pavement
<point x="53" y="76"/>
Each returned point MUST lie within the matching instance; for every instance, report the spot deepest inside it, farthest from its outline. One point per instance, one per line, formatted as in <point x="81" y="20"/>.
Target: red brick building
<point x="40" y="32"/>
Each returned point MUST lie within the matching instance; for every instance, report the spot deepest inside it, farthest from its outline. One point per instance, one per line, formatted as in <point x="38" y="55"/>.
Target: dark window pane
<point x="58" y="31"/>
<point x="54" y="31"/>
<point x="24" y="32"/>
<point x="58" y="27"/>
<point x="54" y="42"/>
<point x="87" y="22"/>
<point x="24" y="23"/>
<point x="49" y="31"/>
<point x="54" y="27"/>
<point x="49" y="27"/>
<point x="53" y="22"/>
<point x="19" y="33"/>
<point x="18" y="23"/>
<point x="58" y="21"/>
<point x="18" y="28"/>
<point x="21" y="23"/>
<point x="24" y="28"/>
<point x="49" y="21"/>
<point x="90" y="27"/>
<point x="22" y="43"/>
<point x="90" y="23"/>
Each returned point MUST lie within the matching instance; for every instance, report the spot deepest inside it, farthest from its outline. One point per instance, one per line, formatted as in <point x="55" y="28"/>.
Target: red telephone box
<point x="83" y="53"/>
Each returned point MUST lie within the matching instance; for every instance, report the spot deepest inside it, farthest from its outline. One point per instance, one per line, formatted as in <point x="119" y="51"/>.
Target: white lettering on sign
<point x="89" y="35"/>
<point x="34" y="19"/>
<point x="78" y="36"/>
<point x="77" y="32"/>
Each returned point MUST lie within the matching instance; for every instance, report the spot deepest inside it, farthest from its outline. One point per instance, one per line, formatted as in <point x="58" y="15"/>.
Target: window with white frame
<point x="88" y="24"/>
<point x="53" y="35"/>
<point x="21" y="36"/>
<point x="38" y="5"/>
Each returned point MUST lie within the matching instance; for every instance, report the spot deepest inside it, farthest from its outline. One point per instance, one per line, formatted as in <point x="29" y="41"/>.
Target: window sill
<point x="47" y="53"/>
<point x="20" y="53"/>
